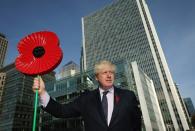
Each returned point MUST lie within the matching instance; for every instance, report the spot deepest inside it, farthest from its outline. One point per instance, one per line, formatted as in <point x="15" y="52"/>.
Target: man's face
<point x="105" y="77"/>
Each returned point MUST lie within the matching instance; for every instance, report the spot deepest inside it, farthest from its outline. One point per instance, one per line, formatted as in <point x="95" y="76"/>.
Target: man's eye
<point x="107" y="72"/>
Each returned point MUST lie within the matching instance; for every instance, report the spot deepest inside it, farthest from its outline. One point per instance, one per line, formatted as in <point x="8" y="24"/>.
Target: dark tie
<point x="105" y="104"/>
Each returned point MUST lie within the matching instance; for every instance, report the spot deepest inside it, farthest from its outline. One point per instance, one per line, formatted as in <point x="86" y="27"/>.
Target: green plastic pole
<point x="35" y="108"/>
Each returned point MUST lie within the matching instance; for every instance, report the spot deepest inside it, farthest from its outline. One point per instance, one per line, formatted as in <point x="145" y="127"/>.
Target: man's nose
<point x="109" y="74"/>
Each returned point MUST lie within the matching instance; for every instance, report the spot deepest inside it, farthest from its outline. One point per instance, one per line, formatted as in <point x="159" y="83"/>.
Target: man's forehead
<point x="106" y="68"/>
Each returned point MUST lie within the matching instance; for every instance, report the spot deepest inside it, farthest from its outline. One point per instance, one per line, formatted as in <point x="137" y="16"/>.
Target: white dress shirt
<point x="110" y="98"/>
<point x="44" y="99"/>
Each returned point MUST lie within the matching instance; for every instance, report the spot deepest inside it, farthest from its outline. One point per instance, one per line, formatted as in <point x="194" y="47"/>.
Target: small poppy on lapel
<point x="117" y="98"/>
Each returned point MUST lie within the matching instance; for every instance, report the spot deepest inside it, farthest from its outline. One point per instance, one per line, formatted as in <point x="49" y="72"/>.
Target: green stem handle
<point x="35" y="108"/>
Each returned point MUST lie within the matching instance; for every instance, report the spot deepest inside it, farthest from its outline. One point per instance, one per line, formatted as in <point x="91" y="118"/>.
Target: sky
<point x="174" y="21"/>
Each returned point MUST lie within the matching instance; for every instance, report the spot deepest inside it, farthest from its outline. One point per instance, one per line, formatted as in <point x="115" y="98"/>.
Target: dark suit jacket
<point x="126" y="115"/>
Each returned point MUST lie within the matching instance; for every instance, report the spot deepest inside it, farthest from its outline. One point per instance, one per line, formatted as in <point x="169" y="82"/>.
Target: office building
<point x="2" y="85"/>
<point x="63" y="91"/>
<point x="189" y="106"/>
<point x="18" y="100"/>
<point x="125" y="30"/>
<point x="183" y="105"/>
<point x="3" y="49"/>
<point x="152" y="116"/>
<point x="69" y="69"/>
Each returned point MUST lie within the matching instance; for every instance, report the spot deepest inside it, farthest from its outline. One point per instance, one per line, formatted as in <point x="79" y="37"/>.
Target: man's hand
<point x="39" y="85"/>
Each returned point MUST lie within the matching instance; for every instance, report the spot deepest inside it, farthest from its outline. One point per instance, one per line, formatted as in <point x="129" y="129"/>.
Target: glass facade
<point x="17" y="100"/>
<point x="69" y="69"/>
<point x="2" y="85"/>
<point x="3" y="49"/>
<point x="124" y="30"/>
<point x="189" y="106"/>
<point x="152" y="115"/>
<point x="63" y="91"/>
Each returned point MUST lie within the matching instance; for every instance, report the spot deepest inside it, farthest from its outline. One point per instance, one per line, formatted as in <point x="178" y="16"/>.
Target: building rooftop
<point x="2" y="35"/>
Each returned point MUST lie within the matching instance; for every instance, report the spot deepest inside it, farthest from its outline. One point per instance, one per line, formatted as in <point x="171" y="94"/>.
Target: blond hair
<point x="100" y="65"/>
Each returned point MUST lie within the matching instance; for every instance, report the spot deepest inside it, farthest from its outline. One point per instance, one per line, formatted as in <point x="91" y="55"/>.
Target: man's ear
<point x="96" y="77"/>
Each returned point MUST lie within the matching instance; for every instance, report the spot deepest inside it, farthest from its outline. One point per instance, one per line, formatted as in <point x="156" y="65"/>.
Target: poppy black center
<point x="38" y="51"/>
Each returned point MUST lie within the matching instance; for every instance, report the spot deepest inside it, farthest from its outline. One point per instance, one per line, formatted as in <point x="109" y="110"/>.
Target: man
<point x="106" y="108"/>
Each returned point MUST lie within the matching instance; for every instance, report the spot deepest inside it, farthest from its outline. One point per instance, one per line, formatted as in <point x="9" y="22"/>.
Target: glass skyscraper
<point x="125" y="30"/>
<point x="16" y="105"/>
<point x="2" y="85"/>
<point x="3" y="49"/>
<point x="189" y="106"/>
<point x="69" y="69"/>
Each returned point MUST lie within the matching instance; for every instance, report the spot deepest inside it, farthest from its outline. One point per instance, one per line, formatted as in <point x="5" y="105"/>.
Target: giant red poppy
<point x="39" y="53"/>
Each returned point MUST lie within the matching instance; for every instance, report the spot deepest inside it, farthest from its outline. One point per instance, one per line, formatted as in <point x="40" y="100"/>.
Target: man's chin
<point x="108" y="87"/>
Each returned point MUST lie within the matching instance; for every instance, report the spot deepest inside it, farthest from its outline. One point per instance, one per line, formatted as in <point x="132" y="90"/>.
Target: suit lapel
<point x="117" y="102"/>
<point x="99" y="107"/>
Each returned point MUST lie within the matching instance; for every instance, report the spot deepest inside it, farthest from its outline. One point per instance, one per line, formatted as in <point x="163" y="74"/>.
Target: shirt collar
<point x="111" y="90"/>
